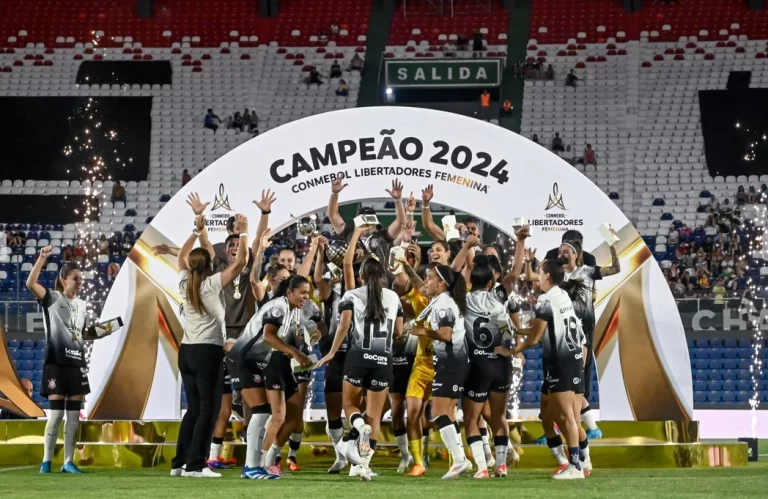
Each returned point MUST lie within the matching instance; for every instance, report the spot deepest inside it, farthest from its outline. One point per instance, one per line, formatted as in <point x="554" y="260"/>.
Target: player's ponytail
<point x="457" y="286"/>
<point x="482" y="273"/>
<point x="373" y="275"/>
<point x="199" y="262"/>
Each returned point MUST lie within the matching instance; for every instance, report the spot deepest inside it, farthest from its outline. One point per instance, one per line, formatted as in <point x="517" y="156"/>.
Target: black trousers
<point x="200" y="367"/>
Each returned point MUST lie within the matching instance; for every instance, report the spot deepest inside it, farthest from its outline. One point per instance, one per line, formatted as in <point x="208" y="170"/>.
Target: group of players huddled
<point x="394" y="334"/>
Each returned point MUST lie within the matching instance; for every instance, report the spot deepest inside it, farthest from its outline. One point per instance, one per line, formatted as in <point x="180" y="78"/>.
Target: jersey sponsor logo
<point x="471" y="393"/>
<point x="483" y="352"/>
<point x="256" y="378"/>
<point x="400" y="361"/>
<point x="73" y="353"/>
<point x="579" y="356"/>
<point x="374" y="382"/>
<point x="235" y="380"/>
<point x="576" y="381"/>
<point x="352" y="380"/>
<point x="51" y="384"/>
<point x="479" y="395"/>
<point x="455" y="388"/>
<point x="276" y="387"/>
<point x="381" y="359"/>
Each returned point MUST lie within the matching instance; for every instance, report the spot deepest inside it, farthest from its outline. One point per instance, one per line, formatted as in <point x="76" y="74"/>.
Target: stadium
<point x="236" y="226"/>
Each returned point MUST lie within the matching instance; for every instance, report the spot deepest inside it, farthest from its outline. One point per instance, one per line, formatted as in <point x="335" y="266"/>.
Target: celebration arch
<point x="476" y="167"/>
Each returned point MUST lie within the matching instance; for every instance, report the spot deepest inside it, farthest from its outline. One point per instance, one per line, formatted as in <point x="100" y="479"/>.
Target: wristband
<point x="267" y="212"/>
<point x="195" y="232"/>
<point x="243" y="234"/>
<point x="425" y="206"/>
<point x="409" y="213"/>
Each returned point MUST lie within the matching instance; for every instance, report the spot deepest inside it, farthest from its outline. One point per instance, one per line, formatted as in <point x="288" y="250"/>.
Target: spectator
<point x="571" y="79"/>
<point x="127" y="244"/>
<point x="67" y="256"/>
<point x="28" y="388"/>
<point x="535" y="138"/>
<point x="478" y="45"/>
<point x="590" y="157"/>
<point x="449" y="49"/>
<point x="313" y="78"/>
<point x="79" y="252"/>
<point x="506" y="108"/>
<point x="356" y="63"/>
<point x="323" y="36"/>
<point x="335" y="69"/>
<point x="254" y="122"/>
<point x="112" y="271"/>
<point x="753" y="196"/>
<point x="245" y="121"/>
<point x="18" y="239"/>
<point x="103" y="245"/>
<point x="674" y="236"/>
<point x="185" y="177"/>
<point x="237" y="122"/>
<point x="462" y="43"/>
<point x="718" y="292"/>
<point x="549" y="74"/>
<point x="713" y="204"/>
<point x="211" y="121"/>
<point x="118" y="192"/>
<point x="557" y="143"/>
<point x="343" y="89"/>
<point x="115" y="243"/>
<point x="741" y="196"/>
<point x="334" y="29"/>
<point x="536" y="73"/>
<point x="726" y="209"/>
<point x="485" y="105"/>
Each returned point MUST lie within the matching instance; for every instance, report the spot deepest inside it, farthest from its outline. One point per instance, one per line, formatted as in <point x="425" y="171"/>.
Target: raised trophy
<point x="307" y="226"/>
<point x="336" y="251"/>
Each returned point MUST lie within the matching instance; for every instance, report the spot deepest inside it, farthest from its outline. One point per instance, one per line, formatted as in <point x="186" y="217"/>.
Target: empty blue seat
<point x="714" y="397"/>
<point x="730" y="364"/>
<point x="535" y="353"/>
<point x="728" y="384"/>
<point x="731" y="343"/>
<point x="26" y="365"/>
<point x="28" y="345"/>
<point x="701" y="343"/>
<point x="37" y="374"/>
<point x="534" y="363"/>
<point x="715" y="384"/>
<point x="14" y="353"/>
<point x="728" y="397"/>
<point x="39" y="355"/>
<point x="26" y="354"/>
<point x="744" y="374"/>
<point x="699" y="397"/>
<point x="715" y="374"/>
<point x="690" y="343"/>
<point x="701" y="364"/>
<point x="700" y="374"/>
<point x="745" y="342"/>
<point x="730" y="353"/>
<point x="744" y="352"/>
<point x="715" y="363"/>
<point x="700" y="385"/>
<point x="38" y="364"/>
<point x="715" y="343"/>
<point x="528" y="398"/>
<point x="40" y="344"/>
<point x="744" y="385"/>
<point x="26" y="374"/>
<point x="14" y="344"/>
<point x="730" y="374"/>
<point x="716" y="353"/>
<point x="530" y="386"/>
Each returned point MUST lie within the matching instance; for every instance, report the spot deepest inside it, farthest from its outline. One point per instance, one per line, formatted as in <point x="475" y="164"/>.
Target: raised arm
<point x="615" y="266"/>
<point x="257" y="287"/>
<point x="322" y="287"/>
<point x="397" y="195"/>
<point x="203" y="231"/>
<point x="517" y="265"/>
<point x="461" y="258"/>
<point x="164" y="249"/>
<point x="349" y="260"/>
<point x="530" y="256"/>
<point x="228" y="275"/>
<point x="309" y="258"/>
<point x="416" y="281"/>
<point x="426" y="215"/>
<point x="337" y="185"/>
<point x="35" y="287"/>
<point x="265" y="206"/>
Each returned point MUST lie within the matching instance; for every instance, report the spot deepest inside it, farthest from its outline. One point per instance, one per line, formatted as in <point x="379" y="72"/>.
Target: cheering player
<point x="443" y="322"/>
<point x="563" y="353"/>
<point x="65" y="381"/>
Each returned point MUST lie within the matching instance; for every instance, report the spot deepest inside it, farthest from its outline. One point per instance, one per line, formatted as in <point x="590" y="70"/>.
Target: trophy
<point x="307" y="226"/>
<point x="336" y="251"/>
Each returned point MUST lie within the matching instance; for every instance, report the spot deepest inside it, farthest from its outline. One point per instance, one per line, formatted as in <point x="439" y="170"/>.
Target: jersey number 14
<point x="372" y="331"/>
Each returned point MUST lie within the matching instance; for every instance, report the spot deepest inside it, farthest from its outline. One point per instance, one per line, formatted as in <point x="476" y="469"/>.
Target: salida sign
<point x="443" y="73"/>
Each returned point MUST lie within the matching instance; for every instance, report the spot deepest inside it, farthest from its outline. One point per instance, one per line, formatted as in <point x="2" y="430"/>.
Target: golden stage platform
<point x="146" y="444"/>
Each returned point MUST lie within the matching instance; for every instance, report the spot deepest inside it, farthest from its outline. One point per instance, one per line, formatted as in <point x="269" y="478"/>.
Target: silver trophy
<point x="307" y="226"/>
<point x="336" y="251"/>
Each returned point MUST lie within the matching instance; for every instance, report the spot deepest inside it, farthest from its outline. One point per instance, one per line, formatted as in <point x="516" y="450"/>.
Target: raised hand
<point x="410" y="203"/>
<point x="415" y="250"/>
<point x="337" y="185"/>
<point x="408" y="229"/>
<point x="265" y="242"/>
<point x="530" y="254"/>
<point x="267" y="198"/>
<point x="46" y="252"/>
<point x="200" y="223"/>
<point x="322" y="242"/>
<point x="241" y="221"/>
<point x="523" y="232"/>
<point x="160" y="249"/>
<point x="198" y="207"/>
<point x="396" y="191"/>
<point x="472" y="241"/>
<point x="427" y="194"/>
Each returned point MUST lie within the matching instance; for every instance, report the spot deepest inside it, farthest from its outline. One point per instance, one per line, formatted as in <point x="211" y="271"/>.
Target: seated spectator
<point x="323" y="36"/>
<point x="713" y="204"/>
<point x="28" y="388"/>
<point x="335" y="69"/>
<point x="673" y="236"/>
<point x="478" y="44"/>
<point x="211" y="121"/>
<point x="245" y="121"/>
<point x="726" y="209"/>
<point x="752" y="195"/>
<point x="590" y="158"/>
<point x="571" y="79"/>
<point x="127" y="244"/>
<point x="112" y="271"/>
<point x="676" y="287"/>
<point x="67" y="255"/>
<point x="118" y="192"/>
<point x="462" y="43"/>
<point x="334" y="29"/>
<point x="536" y="72"/>
<point x="557" y="143"/>
<point x="185" y="177"/>
<point x="506" y="108"/>
<point x="103" y="245"/>
<point x="313" y="78"/>
<point x="741" y="196"/>
<point x="549" y="74"/>
<point x="356" y="63"/>
<point x="18" y="239"/>
<point x="254" y="122"/>
<point x="237" y="122"/>
<point x="79" y="252"/>
<point x="535" y="138"/>
<point x="703" y="277"/>
<point x="690" y="291"/>
<point x="718" y="293"/>
<point x="449" y="49"/>
<point x="343" y="89"/>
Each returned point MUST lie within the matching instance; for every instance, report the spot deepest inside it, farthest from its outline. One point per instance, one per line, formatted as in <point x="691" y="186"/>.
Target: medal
<point x="236" y="282"/>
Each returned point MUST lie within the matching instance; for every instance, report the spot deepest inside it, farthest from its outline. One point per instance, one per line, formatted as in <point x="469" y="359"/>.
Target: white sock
<point x="336" y="435"/>
<point x="589" y="419"/>
<point x="501" y="454"/>
<point x="215" y="452"/>
<point x="402" y="444"/>
<point x="486" y="443"/>
<point x="478" y="452"/>
<point x="52" y="426"/>
<point x="255" y="433"/>
<point x="295" y="438"/>
<point x="559" y="454"/>
<point x="274" y="451"/>
<point x="70" y="435"/>
<point x="358" y="423"/>
<point x="585" y="450"/>
<point x="452" y="442"/>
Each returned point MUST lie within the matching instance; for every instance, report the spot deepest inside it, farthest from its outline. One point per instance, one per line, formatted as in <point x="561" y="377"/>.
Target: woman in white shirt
<point x="202" y="347"/>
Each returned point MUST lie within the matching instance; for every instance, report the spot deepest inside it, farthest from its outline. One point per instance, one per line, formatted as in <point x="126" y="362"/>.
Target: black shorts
<point x="544" y="387"/>
<point x="303" y="377"/>
<point x="566" y="376"/>
<point x="226" y="384"/>
<point x="400" y="376"/>
<point x="450" y="378"/>
<point x="334" y="373"/>
<point x="367" y="374"/>
<point x="278" y="375"/>
<point x="589" y="367"/>
<point x="487" y="376"/>
<point x="61" y="379"/>
<point x="249" y="374"/>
